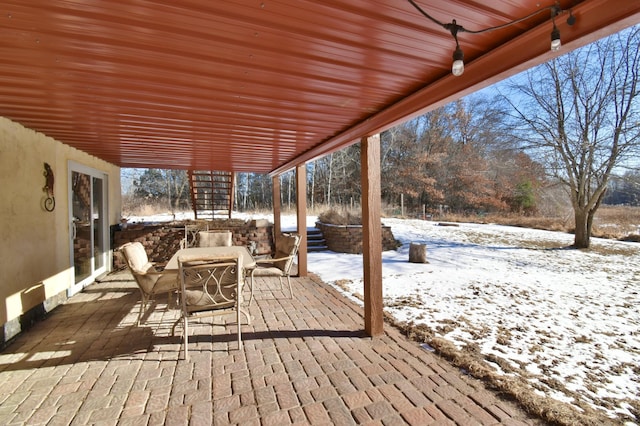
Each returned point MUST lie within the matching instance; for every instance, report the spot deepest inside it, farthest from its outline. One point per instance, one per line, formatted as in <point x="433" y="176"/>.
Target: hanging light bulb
<point x="457" y="68"/>
<point x="555" y="39"/>
<point x="555" y="32"/>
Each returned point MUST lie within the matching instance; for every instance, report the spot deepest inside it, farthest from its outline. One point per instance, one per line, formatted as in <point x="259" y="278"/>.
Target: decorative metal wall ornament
<point x="50" y="201"/>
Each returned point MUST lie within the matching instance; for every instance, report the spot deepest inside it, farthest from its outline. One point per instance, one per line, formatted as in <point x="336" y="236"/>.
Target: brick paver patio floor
<point x="305" y="361"/>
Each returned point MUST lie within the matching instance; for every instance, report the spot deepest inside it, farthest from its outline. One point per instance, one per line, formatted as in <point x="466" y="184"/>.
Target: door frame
<point x="93" y="173"/>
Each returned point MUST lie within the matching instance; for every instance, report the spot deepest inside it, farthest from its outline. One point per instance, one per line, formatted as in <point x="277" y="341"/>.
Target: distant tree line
<point x="158" y="187"/>
<point x="462" y="157"/>
<point x="459" y="156"/>
<point x="624" y="190"/>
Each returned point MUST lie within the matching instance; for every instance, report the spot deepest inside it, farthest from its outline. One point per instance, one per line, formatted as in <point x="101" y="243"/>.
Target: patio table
<point x="247" y="261"/>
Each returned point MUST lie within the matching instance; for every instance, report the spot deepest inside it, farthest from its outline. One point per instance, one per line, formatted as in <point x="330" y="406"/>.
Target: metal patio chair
<point x="280" y="265"/>
<point x="210" y="286"/>
<point x="150" y="281"/>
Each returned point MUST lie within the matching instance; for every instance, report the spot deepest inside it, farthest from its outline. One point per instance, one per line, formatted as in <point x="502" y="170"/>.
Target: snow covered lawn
<point x="566" y="320"/>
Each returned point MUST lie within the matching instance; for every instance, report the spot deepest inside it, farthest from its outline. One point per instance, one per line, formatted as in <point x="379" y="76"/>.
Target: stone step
<point x="315" y="240"/>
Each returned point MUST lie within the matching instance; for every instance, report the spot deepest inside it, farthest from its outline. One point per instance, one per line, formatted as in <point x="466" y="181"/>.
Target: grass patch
<point x="610" y="222"/>
<point x="344" y="217"/>
<point x="470" y="360"/>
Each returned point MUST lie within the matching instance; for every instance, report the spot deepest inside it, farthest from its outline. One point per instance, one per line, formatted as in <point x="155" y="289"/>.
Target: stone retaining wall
<point x="163" y="241"/>
<point x="348" y="238"/>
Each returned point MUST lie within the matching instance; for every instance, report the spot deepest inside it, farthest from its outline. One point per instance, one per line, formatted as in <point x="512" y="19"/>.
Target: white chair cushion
<point x="136" y="257"/>
<point x="214" y="239"/>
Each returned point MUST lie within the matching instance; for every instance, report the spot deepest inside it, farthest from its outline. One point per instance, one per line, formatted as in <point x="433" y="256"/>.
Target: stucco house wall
<point x="36" y="270"/>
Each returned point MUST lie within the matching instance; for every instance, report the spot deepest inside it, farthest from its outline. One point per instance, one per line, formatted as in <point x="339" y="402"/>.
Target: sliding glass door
<point x="88" y="224"/>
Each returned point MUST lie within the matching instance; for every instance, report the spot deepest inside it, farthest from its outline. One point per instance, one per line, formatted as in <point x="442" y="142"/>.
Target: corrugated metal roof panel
<point x="244" y="85"/>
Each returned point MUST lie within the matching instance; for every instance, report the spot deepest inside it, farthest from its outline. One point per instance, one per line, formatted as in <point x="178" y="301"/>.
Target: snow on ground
<point x="519" y="294"/>
<point x="567" y="320"/>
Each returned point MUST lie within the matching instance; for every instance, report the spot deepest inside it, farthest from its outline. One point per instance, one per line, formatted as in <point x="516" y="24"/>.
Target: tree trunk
<point x="245" y="195"/>
<point x="582" y="239"/>
<point x="289" y="191"/>
<point x="236" y="198"/>
<point x="313" y="184"/>
<point x="168" y="181"/>
<point x="330" y="177"/>
<point x="417" y="253"/>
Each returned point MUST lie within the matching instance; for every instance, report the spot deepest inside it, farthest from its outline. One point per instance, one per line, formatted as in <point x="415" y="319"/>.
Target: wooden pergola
<point x="266" y="86"/>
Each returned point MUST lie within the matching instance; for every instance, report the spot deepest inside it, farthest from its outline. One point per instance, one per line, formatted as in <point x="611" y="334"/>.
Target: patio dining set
<point x="208" y="274"/>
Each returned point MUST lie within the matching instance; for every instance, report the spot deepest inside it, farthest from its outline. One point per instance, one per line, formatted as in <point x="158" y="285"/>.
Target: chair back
<point x="286" y="246"/>
<point x="138" y="263"/>
<point x="215" y="239"/>
<point x="191" y="233"/>
<point x="135" y="256"/>
<point x="210" y="283"/>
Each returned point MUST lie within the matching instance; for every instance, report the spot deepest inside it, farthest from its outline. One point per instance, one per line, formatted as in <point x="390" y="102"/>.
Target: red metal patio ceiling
<point x="257" y="85"/>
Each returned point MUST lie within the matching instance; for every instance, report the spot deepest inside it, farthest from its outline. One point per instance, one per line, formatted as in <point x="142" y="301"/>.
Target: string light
<point x="556" y="43"/>
<point x="457" y="67"/>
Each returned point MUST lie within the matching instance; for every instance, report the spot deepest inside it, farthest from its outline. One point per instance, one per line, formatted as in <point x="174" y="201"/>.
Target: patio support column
<point x="301" y="206"/>
<point x="277" y="210"/>
<point x="371" y="234"/>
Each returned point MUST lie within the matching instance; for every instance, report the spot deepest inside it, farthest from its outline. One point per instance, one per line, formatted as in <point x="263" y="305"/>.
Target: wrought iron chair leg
<point x="186" y="339"/>
<point x="251" y="288"/>
<point x="246" y="314"/>
<point x="290" y="288"/>
<point x="143" y="306"/>
<point x="239" y="329"/>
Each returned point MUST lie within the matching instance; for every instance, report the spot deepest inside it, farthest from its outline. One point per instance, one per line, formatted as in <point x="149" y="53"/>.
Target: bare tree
<point x="580" y="113"/>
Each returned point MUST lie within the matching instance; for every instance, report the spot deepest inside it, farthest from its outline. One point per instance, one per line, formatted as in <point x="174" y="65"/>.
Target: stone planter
<point x="348" y="238"/>
<point x="163" y="241"/>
